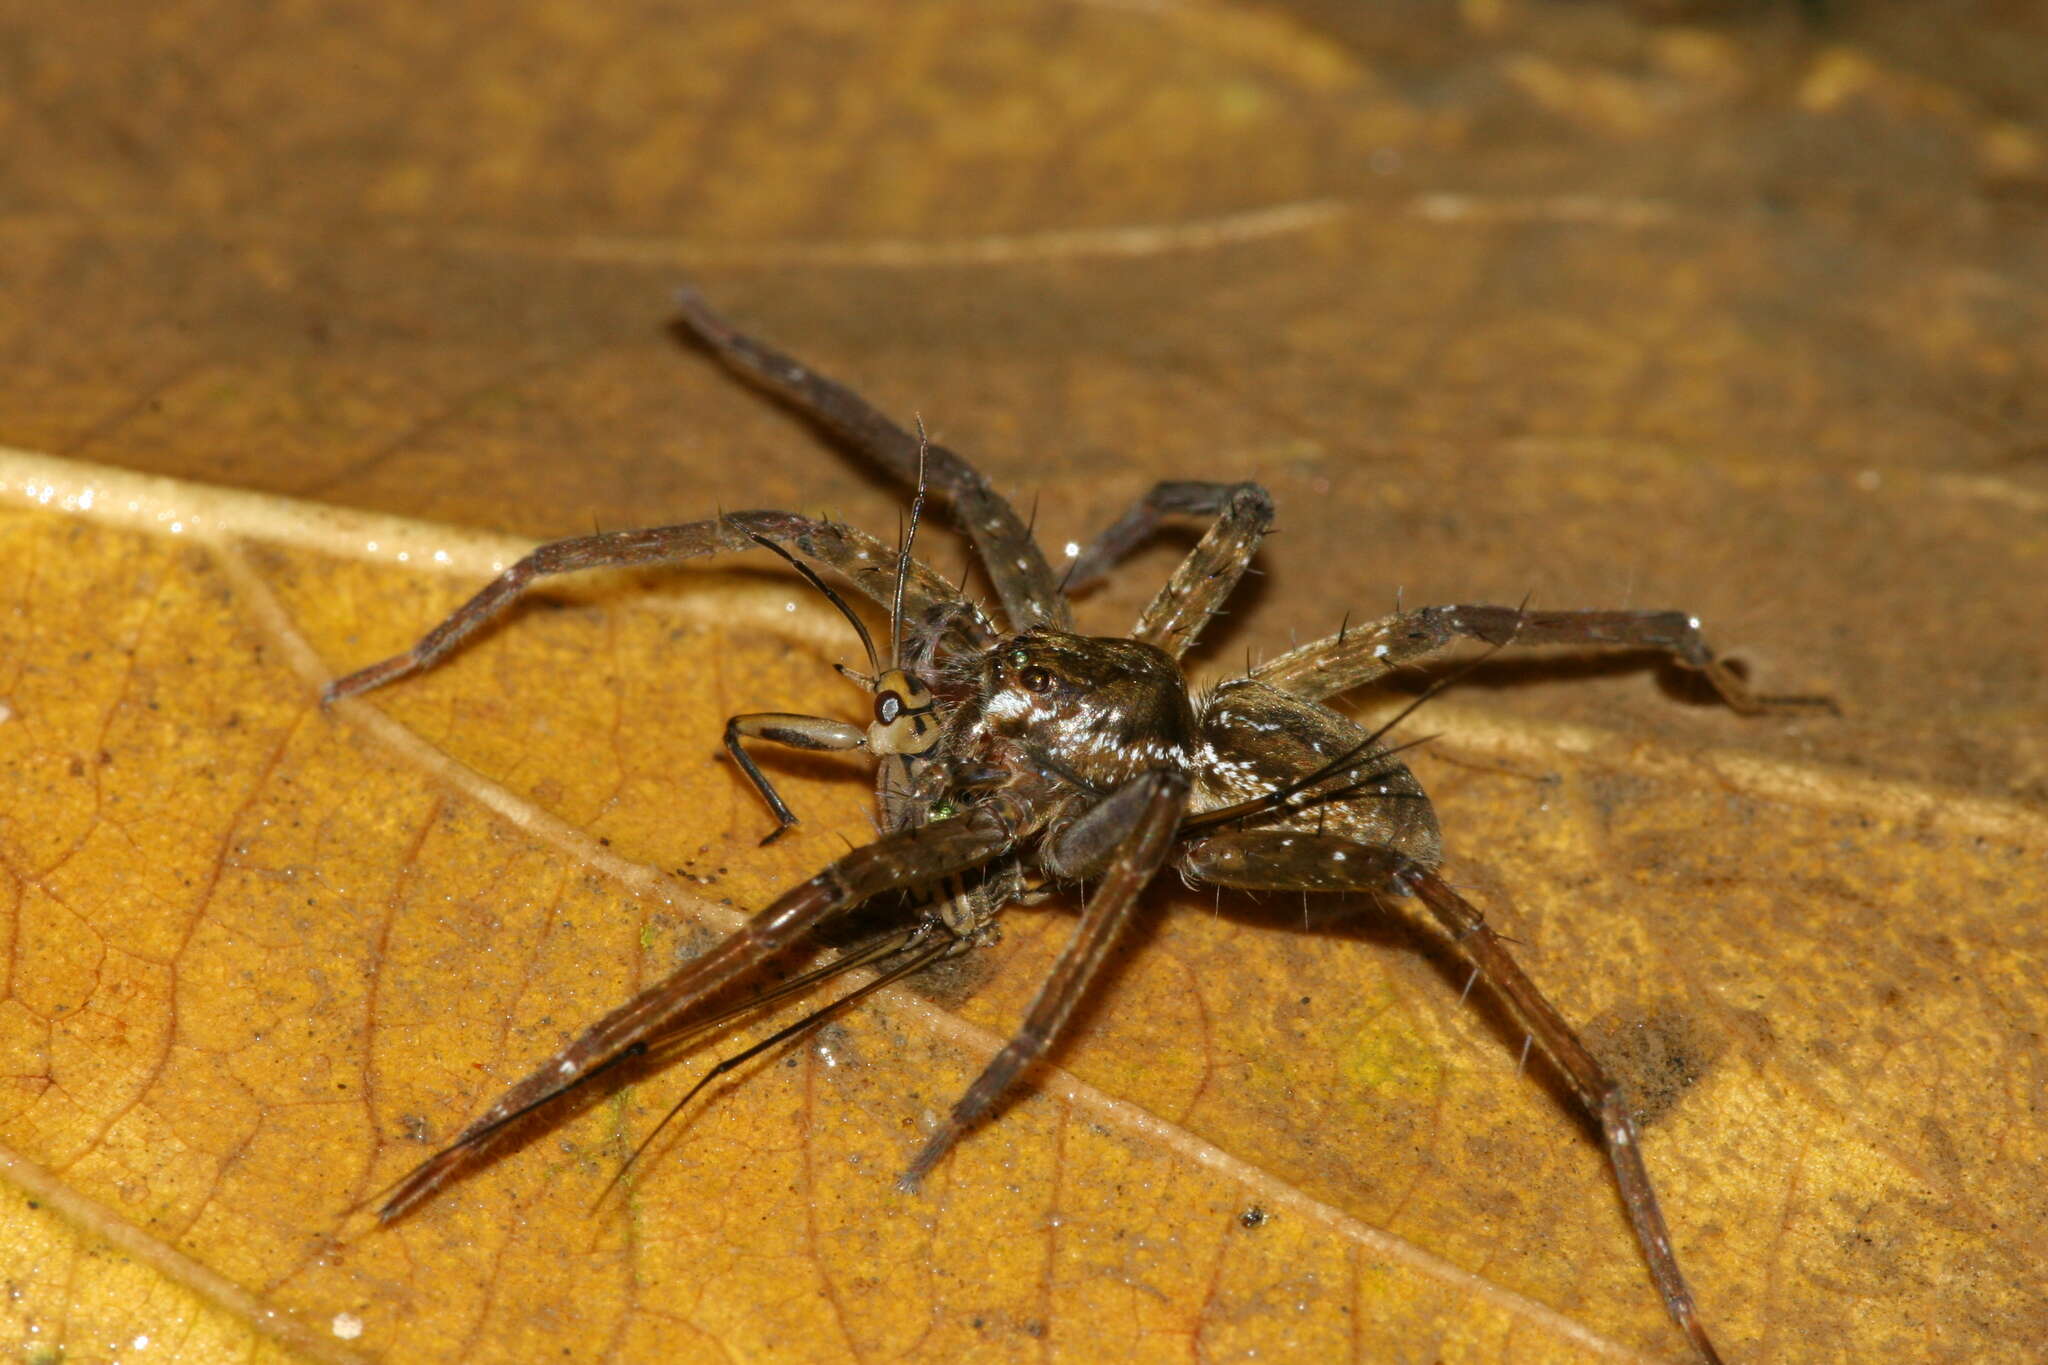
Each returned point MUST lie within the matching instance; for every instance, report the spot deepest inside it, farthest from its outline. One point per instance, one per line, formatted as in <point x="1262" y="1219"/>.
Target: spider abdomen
<point x="1254" y="738"/>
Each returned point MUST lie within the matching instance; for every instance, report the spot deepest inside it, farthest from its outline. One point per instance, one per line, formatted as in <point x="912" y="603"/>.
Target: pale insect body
<point x="1014" y="761"/>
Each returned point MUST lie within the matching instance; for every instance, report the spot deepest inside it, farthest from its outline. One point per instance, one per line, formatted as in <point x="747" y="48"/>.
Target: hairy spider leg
<point x="1295" y="859"/>
<point x="1167" y="498"/>
<point x="1191" y="598"/>
<point x="1016" y="566"/>
<point x="1136" y="826"/>
<point x="915" y="959"/>
<point x="860" y="558"/>
<point x="1365" y="653"/>
<point x="909" y="857"/>
<point x="688" y="1028"/>
<point x="1197" y="588"/>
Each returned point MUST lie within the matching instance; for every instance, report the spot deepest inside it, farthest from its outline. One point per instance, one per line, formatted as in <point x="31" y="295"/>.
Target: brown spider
<point x="1013" y="761"/>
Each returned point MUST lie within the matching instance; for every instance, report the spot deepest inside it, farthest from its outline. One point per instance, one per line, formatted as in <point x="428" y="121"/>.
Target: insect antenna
<point x="903" y="555"/>
<point x="917" y="961"/>
<point x="867" y="642"/>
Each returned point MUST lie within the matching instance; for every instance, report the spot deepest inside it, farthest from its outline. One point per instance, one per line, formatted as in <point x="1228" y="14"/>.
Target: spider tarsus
<point x="1800" y="701"/>
<point x="355" y="684"/>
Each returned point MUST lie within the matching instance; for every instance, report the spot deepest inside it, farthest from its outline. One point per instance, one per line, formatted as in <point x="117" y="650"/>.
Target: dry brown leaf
<point x="1562" y="303"/>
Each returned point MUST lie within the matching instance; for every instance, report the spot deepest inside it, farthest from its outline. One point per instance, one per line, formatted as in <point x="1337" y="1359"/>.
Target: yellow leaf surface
<point x="319" y="309"/>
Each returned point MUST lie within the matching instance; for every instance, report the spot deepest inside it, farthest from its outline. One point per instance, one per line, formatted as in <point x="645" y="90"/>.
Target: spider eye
<point x="888" y="706"/>
<point x="1035" y="679"/>
<point x="1019" y="658"/>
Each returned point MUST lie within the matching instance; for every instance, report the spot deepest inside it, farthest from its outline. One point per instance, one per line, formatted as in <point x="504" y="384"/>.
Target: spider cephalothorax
<point x="1090" y="712"/>
<point x="1008" y="763"/>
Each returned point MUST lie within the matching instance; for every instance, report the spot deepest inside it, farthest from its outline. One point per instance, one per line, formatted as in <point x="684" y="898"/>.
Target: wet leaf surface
<point x="1741" y="311"/>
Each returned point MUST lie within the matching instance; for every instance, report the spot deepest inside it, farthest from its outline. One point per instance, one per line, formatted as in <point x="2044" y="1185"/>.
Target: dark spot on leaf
<point x="1658" y="1052"/>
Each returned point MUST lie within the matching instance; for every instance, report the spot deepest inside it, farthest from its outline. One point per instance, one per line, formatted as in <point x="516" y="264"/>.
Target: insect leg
<point x="792" y="731"/>
<point x="859" y="557"/>
<point x="1296" y="860"/>
<point x="1150" y="806"/>
<point x="1360" y="654"/>
<point x="911" y="856"/>
<point x="1016" y="566"/>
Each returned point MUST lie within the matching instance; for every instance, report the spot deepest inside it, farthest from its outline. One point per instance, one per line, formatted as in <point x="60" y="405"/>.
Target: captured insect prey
<point x="1015" y="757"/>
